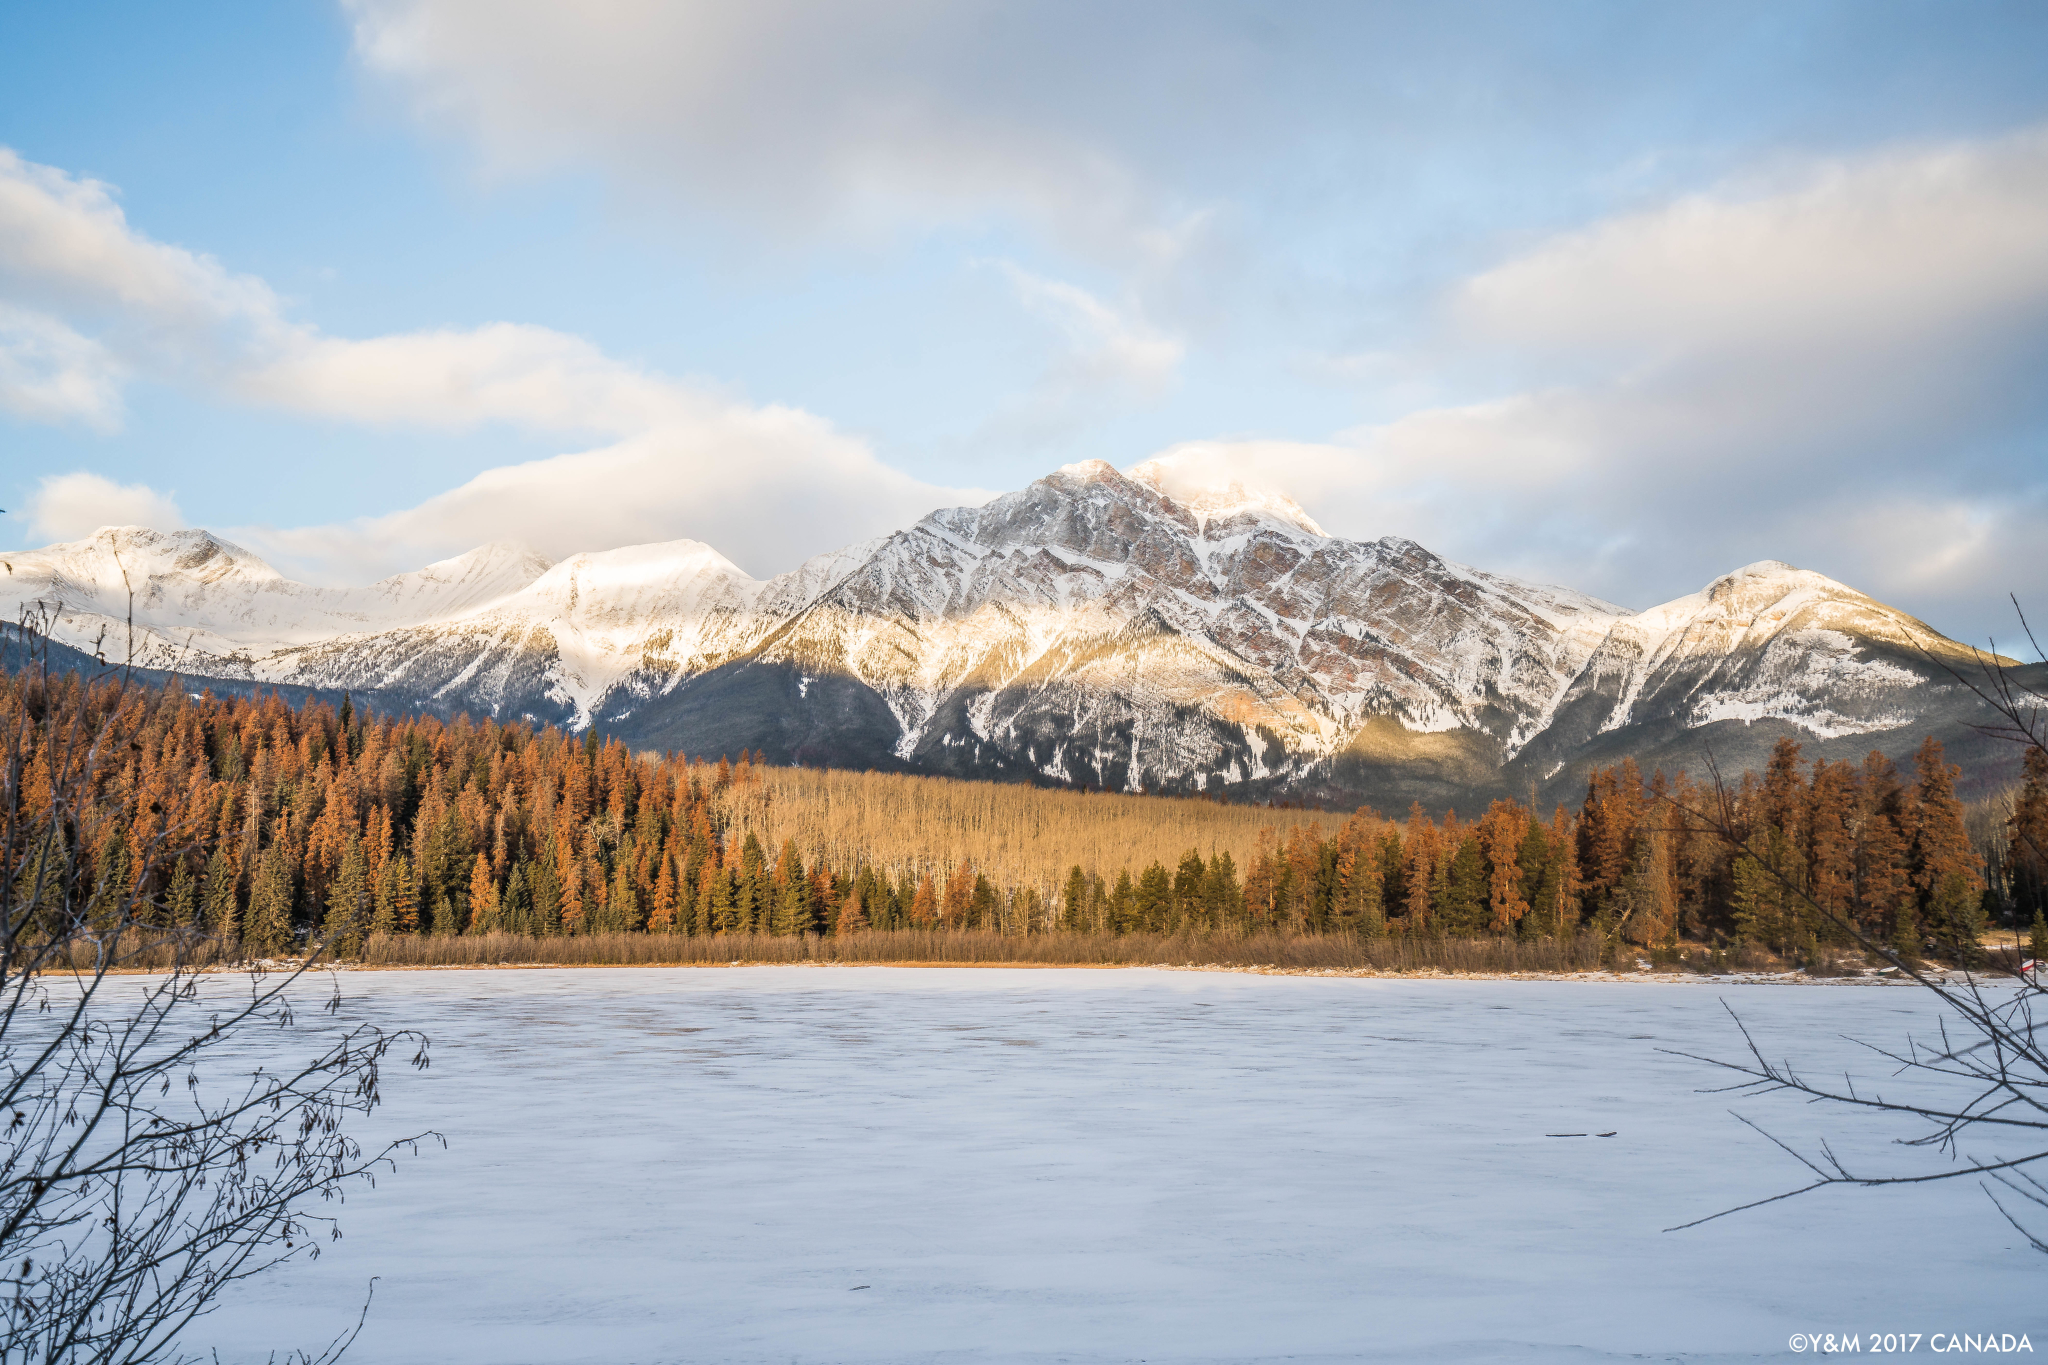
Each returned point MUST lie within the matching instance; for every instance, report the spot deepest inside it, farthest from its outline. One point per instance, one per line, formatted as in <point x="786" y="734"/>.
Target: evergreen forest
<point x="270" y="825"/>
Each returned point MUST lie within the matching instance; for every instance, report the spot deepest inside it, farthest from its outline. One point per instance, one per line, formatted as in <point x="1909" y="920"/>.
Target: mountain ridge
<point x="1129" y="630"/>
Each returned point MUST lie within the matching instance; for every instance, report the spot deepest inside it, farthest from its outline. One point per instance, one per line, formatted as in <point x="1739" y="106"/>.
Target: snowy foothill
<point x="817" y="1164"/>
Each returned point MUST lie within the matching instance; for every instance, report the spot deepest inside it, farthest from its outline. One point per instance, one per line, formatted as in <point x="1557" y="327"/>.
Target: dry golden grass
<point x="1336" y="952"/>
<point x="1019" y="836"/>
<point x="146" y="951"/>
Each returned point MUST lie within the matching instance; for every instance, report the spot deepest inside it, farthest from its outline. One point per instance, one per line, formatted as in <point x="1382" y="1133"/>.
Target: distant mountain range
<point x="1091" y="629"/>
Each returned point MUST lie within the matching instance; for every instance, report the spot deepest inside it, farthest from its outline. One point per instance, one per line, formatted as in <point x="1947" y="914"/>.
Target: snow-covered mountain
<point x="1092" y="628"/>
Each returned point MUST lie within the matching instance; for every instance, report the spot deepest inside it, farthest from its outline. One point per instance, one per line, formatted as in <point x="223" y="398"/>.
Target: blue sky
<point x="1615" y="296"/>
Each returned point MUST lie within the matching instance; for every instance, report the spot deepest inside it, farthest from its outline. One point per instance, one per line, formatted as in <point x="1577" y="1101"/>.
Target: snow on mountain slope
<point x="567" y="638"/>
<point x="1092" y="616"/>
<point x="1132" y="630"/>
<point x="214" y="606"/>
<point x="1769" y="644"/>
<point x="1767" y="641"/>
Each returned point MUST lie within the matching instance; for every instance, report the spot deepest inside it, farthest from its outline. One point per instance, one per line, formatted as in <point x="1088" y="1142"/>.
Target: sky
<point x="1615" y="296"/>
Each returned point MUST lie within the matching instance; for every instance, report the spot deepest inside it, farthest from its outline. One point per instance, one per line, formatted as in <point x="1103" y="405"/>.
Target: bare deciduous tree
<point x="153" y="1152"/>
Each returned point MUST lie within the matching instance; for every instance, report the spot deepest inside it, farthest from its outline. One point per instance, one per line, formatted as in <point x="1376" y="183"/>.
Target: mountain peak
<point x="1215" y="497"/>
<point x="1088" y="471"/>
<point x="1763" y="568"/>
<point x="143" y="552"/>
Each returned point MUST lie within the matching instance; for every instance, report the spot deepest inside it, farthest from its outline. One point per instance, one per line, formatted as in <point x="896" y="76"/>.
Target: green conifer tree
<point x="267" y="926"/>
<point x="350" y="902"/>
<point x="1224" y="894"/>
<point x="1123" y="904"/>
<point x="1074" y="901"/>
<point x="791" y="912"/>
<point x="544" y="887"/>
<point x="398" y="905"/>
<point x="1957" y="913"/>
<point x="516" y="907"/>
<point x="1906" y="941"/>
<point x="1152" y="902"/>
<point x="1461" y="908"/>
<point x="727" y="914"/>
<point x="223" y="897"/>
<point x="1189" y="907"/>
<point x="983" y="907"/>
<point x="1757" y="897"/>
<point x="181" y="903"/>
<point x="623" y="913"/>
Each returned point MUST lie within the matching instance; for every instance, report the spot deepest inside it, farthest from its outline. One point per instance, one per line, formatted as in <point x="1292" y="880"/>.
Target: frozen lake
<point x="878" y="1164"/>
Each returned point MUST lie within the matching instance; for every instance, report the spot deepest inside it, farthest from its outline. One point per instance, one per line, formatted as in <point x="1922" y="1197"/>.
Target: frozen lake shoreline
<point x="1102" y="1165"/>
<point x="1643" y="977"/>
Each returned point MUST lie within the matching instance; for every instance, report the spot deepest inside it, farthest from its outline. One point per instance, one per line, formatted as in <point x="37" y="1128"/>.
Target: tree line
<point x="317" y="819"/>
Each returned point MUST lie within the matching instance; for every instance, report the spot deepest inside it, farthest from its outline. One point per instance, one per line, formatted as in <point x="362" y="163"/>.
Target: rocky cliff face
<point x="1091" y="628"/>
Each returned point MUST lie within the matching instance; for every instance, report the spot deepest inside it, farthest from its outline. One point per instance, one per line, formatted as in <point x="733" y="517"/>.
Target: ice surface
<point x="1084" y="1166"/>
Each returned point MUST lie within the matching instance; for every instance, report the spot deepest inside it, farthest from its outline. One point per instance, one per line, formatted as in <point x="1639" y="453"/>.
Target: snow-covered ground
<point x="872" y="1164"/>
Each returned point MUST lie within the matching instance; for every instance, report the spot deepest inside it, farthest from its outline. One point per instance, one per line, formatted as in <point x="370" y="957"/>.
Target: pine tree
<point x="350" y="902"/>
<point x="112" y="884"/>
<point x="182" y="902"/>
<point x="1501" y="835"/>
<point x="1460" y="905"/>
<point x="793" y="908"/>
<point x="1153" y="901"/>
<point x="484" y="906"/>
<point x="791" y="888"/>
<point x="1883" y="876"/>
<point x="727" y="916"/>
<point x="1188" y="908"/>
<point x="2028" y="836"/>
<point x="753" y="899"/>
<point x="661" y="918"/>
<point x="1831" y="845"/>
<point x="1957" y="912"/>
<point x="544" y="887"/>
<point x="1763" y="913"/>
<point x="1122" y="904"/>
<point x="398" y="905"/>
<point x="924" y="904"/>
<point x="1647" y="899"/>
<point x="622" y="911"/>
<point x="1261" y="882"/>
<point x="982" y="905"/>
<point x="959" y="893"/>
<point x="1222" y="893"/>
<point x="515" y="907"/>
<point x="1941" y="843"/>
<point x="1421" y="859"/>
<point x="223" y="903"/>
<point x="267" y="927"/>
<point x="1074" y="901"/>
<point x="1906" y="937"/>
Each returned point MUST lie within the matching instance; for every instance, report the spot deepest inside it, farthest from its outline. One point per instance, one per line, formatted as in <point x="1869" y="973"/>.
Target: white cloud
<point x="67" y="252"/>
<point x="49" y="373"/>
<point x="1836" y="364"/>
<point x="1840" y="372"/>
<point x="813" y="116"/>
<point x="73" y="506"/>
<point x="1901" y="247"/>
<point x="767" y="485"/>
<point x="1105" y="346"/>
<point x="500" y="372"/>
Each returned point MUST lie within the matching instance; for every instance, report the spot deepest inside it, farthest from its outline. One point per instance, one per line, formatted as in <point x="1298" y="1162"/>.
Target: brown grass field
<point x="1019" y="836"/>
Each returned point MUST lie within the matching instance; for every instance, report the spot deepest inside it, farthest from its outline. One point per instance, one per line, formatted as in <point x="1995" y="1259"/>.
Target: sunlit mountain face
<point x="1091" y="629"/>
